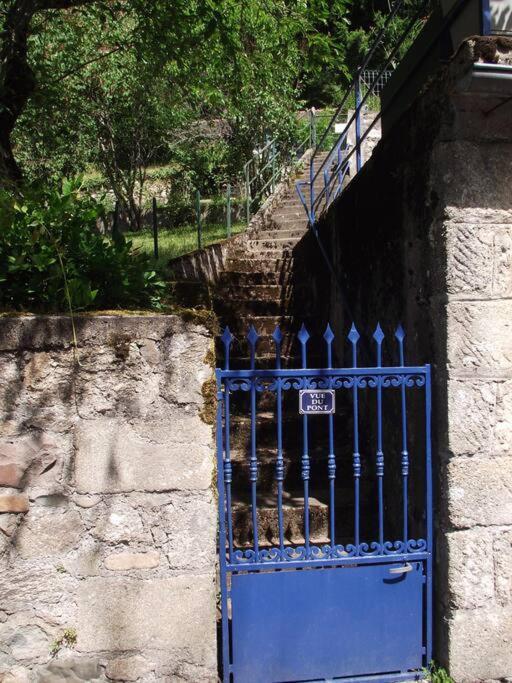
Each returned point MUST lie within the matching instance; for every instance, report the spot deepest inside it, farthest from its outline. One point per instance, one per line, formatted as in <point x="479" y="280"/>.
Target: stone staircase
<point x="261" y="285"/>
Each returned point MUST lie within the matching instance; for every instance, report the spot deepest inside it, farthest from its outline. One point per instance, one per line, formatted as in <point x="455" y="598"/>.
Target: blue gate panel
<point x="311" y="624"/>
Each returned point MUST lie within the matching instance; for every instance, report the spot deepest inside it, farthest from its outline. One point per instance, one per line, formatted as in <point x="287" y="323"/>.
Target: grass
<point x="180" y="240"/>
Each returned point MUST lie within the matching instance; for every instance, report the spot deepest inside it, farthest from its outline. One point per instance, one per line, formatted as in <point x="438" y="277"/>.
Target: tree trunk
<point x="17" y="82"/>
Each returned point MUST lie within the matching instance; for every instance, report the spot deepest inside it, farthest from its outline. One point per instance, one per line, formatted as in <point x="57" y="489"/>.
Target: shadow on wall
<point x="88" y="444"/>
<point x="388" y="269"/>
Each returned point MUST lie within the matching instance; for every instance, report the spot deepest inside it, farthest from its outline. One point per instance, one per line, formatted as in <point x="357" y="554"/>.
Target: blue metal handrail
<point x="338" y="172"/>
<point x="341" y="169"/>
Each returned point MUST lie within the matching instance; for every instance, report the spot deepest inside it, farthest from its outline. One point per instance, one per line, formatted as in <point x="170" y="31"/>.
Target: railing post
<point x="155" y="229"/>
<point x="228" y="210"/>
<point x="247" y="195"/>
<point x="273" y="152"/>
<point x="358" y="122"/>
<point x="198" y="220"/>
<point x="312" y="127"/>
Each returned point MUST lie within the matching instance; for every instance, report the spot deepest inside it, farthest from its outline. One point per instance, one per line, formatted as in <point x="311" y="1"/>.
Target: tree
<point x="109" y="74"/>
<point x="17" y="80"/>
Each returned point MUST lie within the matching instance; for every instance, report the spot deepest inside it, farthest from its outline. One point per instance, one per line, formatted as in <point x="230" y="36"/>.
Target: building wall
<point x="107" y="506"/>
<point x="423" y="236"/>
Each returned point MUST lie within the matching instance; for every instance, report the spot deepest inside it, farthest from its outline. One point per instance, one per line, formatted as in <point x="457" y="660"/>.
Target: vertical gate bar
<point x="279" y="462"/>
<point x="331" y="458"/>
<point x="379" y="461"/>
<point x="356" y="457"/>
<point x="303" y="338"/>
<point x="253" y="469"/>
<point x="228" y="475"/>
<point x="400" y="335"/>
<point x="222" y="535"/>
<point x="227" y="339"/>
<point x="429" y="504"/>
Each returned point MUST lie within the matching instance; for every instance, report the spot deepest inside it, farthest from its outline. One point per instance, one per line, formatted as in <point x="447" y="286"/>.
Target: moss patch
<point x="209" y="393"/>
<point x="489" y="48"/>
<point x="121" y="345"/>
<point x="199" y="316"/>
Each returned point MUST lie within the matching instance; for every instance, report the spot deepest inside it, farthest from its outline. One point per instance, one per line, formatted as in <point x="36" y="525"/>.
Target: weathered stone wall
<point x="424" y="236"/>
<point x="107" y="506"/>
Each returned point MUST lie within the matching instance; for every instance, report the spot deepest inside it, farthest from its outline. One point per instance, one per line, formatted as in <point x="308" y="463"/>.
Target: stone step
<point x="266" y="324"/>
<point x="293" y="521"/>
<point x="265" y="348"/>
<point x="236" y="277"/>
<point x="268" y="362"/>
<point x="249" y="308"/>
<point x="245" y="308"/>
<point x="296" y="228"/>
<point x="288" y="232"/>
<point x="243" y="264"/>
<point x="266" y="427"/>
<point x="239" y="253"/>
<point x="263" y="244"/>
<point x="319" y="476"/>
<point x="259" y="292"/>
<point x="282" y="213"/>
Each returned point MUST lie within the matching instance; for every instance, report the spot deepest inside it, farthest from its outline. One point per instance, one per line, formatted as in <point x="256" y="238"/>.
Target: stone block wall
<point x="423" y="236"/>
<point x="107" y="505"/>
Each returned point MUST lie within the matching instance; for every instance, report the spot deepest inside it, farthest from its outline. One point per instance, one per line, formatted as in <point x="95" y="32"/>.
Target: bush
<point x="53" y="258"/>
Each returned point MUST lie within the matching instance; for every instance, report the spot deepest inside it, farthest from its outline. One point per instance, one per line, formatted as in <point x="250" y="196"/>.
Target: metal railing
<point x="332" y="171"/>
<point x="271" y="164"/>
<point x="372" y="77"/>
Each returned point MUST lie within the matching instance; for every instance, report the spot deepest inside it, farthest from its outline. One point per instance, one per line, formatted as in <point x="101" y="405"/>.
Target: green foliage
<point x="67" y="638"/>
<point x="195" y="84"/>
<point x="52" y="256"/>
<point x="125" y="85"/>
<point x="337" y="37"/>
<point x="436" y="674"/>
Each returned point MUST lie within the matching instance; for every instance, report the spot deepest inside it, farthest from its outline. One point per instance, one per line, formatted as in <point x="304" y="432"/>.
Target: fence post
<point x="358" y="122"/>
<point x="115" y="222"/>
<point x="155" y="229"/>
<point x="198" y="220"/>
<point x="228" y="210"/>
<point x="247" y="196"/>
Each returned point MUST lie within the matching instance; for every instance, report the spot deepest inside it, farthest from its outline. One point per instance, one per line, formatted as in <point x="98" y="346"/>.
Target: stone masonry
<point x="430" y="244"/>
<point x="107" y="505"/>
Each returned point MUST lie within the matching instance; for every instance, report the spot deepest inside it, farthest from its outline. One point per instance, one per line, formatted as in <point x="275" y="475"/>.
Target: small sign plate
<point x="316" y="402"/>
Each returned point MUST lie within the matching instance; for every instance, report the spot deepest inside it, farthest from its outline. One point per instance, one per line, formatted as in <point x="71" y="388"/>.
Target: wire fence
<point x="167" y="231"/>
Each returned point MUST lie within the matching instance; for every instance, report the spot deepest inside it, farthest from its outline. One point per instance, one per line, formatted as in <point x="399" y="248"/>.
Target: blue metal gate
<point x="356" y="604"/>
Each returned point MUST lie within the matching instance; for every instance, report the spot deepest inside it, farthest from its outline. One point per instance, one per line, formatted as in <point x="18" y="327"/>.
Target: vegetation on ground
<point x="180" y="240"/>
<point x="436" y="674"/>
